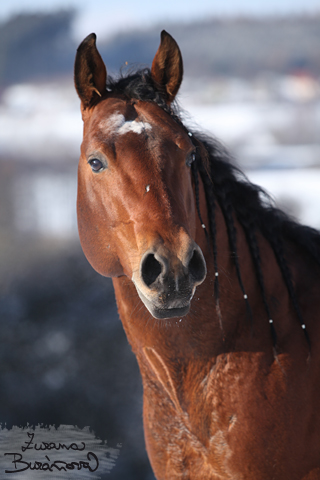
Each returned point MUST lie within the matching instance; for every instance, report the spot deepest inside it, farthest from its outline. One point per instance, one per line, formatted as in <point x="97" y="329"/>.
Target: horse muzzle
<point x="166" y="282"/>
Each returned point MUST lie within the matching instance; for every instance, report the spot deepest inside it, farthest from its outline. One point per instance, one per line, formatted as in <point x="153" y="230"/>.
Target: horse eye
<point x="95" y="164"/>
<point x="191" y="158"/>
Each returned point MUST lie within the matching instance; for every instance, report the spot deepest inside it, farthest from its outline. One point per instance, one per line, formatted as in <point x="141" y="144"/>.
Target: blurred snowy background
<point x="252" y="79"/>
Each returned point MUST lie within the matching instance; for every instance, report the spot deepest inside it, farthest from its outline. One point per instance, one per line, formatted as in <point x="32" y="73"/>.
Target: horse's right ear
<point x="90" y="73"/>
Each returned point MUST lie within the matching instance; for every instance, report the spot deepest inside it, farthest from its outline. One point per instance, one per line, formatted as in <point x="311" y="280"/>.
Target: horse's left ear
<point x="167" y="67"/>
<point x="90" y="74"/>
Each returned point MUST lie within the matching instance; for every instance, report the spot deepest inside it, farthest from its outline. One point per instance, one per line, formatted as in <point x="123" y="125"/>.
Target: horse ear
<point x="90" y="73"/>
<point x="167" y="67"/>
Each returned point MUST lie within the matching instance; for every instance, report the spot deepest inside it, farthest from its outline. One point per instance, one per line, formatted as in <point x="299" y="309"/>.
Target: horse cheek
<point x="97" y="242"/>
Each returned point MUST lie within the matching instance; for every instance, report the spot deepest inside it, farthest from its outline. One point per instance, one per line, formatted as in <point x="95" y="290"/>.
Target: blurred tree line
<point x="40" y="45"/>
<point x="238" y="47"/>
<point x="35" y="45"/>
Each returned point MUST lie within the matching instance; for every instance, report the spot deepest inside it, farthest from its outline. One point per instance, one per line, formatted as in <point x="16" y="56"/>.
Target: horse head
<point x="136" y="207"/>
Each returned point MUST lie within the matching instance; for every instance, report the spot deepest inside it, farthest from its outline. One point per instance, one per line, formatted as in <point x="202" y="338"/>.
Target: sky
<point x="107" y="18"/>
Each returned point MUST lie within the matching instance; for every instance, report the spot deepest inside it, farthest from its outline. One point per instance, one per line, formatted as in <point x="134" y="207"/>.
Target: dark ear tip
<point x="167" y="39"/>
<point x="90" y="40"/>
<point x="165" y="35"/>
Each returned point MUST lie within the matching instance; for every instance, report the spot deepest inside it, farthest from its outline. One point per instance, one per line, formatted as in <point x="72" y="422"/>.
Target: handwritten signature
<point x="21" y="465"/>
<point x="50" y="445"/>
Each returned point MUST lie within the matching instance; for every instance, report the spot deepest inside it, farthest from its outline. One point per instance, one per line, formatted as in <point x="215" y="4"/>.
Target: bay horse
<point x="217" y="289"/>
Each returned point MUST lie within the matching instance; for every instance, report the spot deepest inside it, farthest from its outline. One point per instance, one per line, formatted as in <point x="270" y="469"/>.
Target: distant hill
<point x="36" y="46"/>
<point x="40" y="46"/>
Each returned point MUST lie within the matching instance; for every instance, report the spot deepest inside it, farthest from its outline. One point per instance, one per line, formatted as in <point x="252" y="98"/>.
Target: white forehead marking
<point x="133" y="126"/>
<point x="117" y="124"/>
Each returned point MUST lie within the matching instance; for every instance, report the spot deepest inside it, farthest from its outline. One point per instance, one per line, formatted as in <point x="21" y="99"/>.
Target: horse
<point x="217" y="289"/>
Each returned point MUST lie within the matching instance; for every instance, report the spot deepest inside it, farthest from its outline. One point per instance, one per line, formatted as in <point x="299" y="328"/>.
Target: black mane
<point x="237" y="197"/>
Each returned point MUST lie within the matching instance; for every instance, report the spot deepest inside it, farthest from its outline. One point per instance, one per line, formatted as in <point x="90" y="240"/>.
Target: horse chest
<point x="228" y="426"/>
<point x="176" y="447"/>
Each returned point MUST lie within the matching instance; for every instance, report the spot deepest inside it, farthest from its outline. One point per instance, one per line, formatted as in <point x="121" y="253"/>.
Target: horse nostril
<point x="197" y="266"/>
<point x="150" y="269"/>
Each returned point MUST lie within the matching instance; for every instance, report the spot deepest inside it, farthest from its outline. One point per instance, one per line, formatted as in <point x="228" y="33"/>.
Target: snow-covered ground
<point x="45" y="204"/>
<point x="276" y="143"/>
<point x="40" y="122"/>
<point x="263" y="134"/>
<point x="297" y="191"/>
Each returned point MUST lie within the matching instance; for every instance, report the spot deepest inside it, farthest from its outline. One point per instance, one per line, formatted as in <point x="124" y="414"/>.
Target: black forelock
<point x="138" y="85"/>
